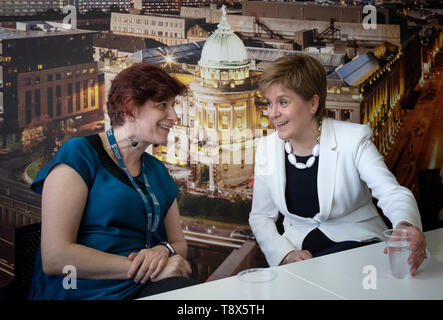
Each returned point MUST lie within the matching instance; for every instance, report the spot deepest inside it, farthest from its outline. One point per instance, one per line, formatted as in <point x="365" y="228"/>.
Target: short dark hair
<point x="135" y="85"/>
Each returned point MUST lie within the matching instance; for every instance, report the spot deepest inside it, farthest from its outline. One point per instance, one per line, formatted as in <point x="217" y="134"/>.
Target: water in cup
<point x="399" y="252"/>
<point x="398" y="244"/>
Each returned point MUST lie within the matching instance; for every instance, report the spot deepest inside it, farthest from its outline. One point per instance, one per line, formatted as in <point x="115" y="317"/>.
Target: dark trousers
<point x="165" y="285"/>
<point x="318" y="244"/>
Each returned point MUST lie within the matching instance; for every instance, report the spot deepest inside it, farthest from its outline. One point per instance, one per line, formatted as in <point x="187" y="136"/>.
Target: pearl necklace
<point x="293" y="160"/>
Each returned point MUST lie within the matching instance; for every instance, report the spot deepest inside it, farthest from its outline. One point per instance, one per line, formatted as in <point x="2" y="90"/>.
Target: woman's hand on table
<point x="418" y="247"/>
<point x="147" y="263"/>
<point x="176" y="266"/>
<point x="297" y="255"/>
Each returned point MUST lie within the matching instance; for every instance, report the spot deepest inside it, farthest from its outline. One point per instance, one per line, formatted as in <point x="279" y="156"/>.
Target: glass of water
<point x="398" y="244"/>
<point x="257" y="283"/>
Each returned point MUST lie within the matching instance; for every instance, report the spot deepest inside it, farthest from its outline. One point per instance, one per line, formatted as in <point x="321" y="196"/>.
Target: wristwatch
<point x="404" y="223"/>
<point x="172" y="251"/>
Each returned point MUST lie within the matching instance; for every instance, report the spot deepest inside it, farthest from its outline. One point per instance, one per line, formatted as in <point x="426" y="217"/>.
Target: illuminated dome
<point x="223" y="49"/>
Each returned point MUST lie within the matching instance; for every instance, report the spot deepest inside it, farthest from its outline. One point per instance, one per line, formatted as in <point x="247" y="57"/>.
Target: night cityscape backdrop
<point x="382" y="58"/>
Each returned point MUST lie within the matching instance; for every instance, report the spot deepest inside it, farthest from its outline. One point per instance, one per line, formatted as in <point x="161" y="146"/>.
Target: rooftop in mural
<point x="359" y="69"/>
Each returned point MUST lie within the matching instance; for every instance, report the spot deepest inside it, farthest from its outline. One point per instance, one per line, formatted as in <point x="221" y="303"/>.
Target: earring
<point x="134" y="141"/>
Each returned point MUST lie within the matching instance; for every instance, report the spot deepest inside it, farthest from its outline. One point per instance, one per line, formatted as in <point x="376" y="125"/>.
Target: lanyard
<point x="151" y="227"/>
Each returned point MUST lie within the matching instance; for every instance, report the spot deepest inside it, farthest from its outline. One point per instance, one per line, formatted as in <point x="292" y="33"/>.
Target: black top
<point x="301" y="188"/>
<point x="302" y="200"/>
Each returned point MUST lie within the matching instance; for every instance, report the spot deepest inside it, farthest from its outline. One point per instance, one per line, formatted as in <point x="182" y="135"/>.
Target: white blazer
<point x="349" y="166"/>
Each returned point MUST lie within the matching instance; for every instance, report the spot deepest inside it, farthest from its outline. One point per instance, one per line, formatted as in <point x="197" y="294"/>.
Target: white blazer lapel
<point x="326" y="170"/>
<point x="280" y="176"/>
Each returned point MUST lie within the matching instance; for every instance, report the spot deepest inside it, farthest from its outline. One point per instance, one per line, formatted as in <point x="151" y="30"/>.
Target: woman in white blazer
<point x="319" y="173"/>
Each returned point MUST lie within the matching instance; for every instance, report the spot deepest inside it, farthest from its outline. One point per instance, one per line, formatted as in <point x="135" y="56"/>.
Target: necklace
<point x="315" y="153"/>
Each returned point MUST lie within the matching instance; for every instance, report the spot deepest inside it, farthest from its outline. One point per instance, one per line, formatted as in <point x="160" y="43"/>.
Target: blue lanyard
<point x="151" y="227"/>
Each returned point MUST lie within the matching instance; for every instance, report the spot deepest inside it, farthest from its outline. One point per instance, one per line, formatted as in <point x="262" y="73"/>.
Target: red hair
<point x="135" y="85"/>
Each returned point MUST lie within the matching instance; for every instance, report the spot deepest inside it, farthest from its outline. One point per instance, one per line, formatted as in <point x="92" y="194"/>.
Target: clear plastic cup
<point x="398" y="244"/>
<point x="257" y="282"/>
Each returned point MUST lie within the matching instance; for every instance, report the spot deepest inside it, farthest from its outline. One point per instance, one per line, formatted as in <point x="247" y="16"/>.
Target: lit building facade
<point x="25" y="7"/>
<point x="224" y="113"/>
<point x="158" y="6"/>
<point x="84" y="6"/>
<point x="39" y="83"/>
<point x="168" y="29"/>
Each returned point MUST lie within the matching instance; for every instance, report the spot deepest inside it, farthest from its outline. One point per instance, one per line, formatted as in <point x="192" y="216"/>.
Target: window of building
<point x="211" y="120"/>
<point x="58" y="76"/>
<point x="28" y="112"/>
<point x="50" y="77"/>
<point x="58" y="100"/>
<point x="85" y="94"/>
<point x="77" y="96"/>
<point x="70" y="99"/>
<point x="346" y="114"/>
<point x="27" y="81"/>
<point x="37" y="104"/>
<point x="331" y="114"/>
<point x="92" y="86"/>
<point x="50" y="99"/>
<point x="224" y="122"/>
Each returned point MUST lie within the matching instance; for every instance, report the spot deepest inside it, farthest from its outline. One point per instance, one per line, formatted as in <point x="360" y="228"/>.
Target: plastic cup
<point x="398" y="244"/>
<point x="257" y="282"/>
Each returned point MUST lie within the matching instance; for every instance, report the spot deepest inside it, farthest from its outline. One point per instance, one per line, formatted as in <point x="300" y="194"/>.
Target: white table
<point x="342" y="273"/>
<point x="334" y="276"/>
<point x="284" y="287"/>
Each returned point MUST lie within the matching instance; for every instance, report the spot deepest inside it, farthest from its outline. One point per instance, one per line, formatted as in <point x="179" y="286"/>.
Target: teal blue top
<point x="114" y="219"/>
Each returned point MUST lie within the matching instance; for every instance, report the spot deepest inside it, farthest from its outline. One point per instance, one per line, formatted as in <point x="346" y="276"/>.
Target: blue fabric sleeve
<point x="78" y="154"/>
<point x="170" y="186"/>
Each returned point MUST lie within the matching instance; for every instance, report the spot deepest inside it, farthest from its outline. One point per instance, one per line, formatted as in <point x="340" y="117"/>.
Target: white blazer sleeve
<point x="264" y="213"/>
<point x="397" y="202"/>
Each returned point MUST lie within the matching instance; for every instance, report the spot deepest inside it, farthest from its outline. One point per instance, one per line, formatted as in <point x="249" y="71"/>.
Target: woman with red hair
<point x="109" y="209"/>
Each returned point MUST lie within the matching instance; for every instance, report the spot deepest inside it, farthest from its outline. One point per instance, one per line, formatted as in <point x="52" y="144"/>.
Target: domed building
<point x="223" y="115"/>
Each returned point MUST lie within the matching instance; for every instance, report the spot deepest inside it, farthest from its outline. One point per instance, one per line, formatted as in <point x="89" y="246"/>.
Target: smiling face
<point x="292" y="116"/>
<point x="155" y="120"/>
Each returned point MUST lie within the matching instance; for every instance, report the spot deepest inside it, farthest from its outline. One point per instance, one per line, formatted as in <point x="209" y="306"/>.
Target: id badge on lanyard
<point x="152" y="221"/>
